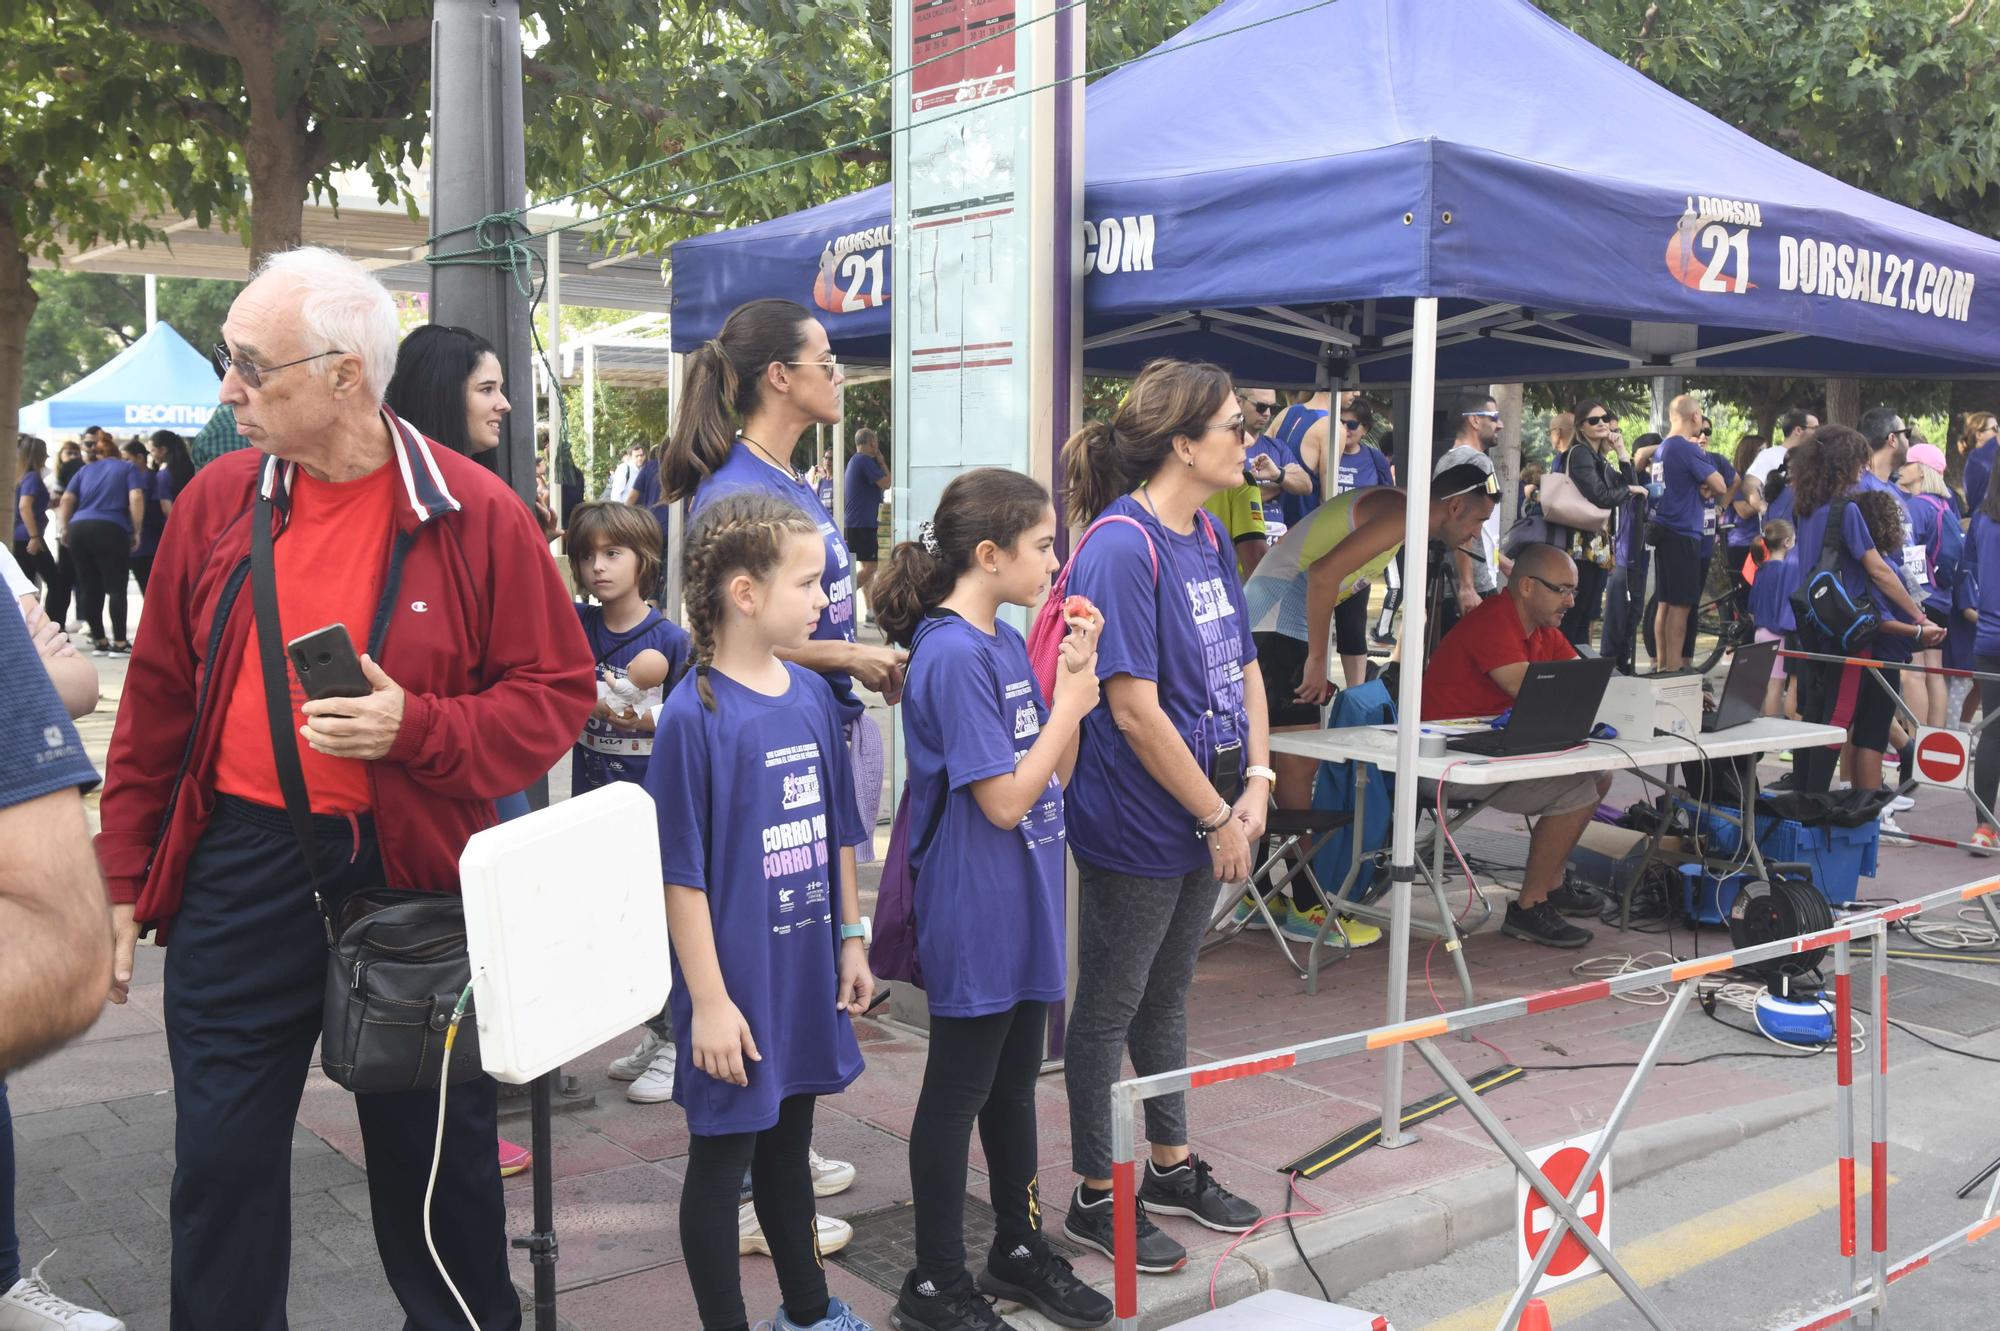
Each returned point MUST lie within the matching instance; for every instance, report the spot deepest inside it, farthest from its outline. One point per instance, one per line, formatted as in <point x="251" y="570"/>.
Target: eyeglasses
<point x="831" y="364"/>
<point x="1595" y="420"/>
<point x="252" y="373"/>
<point x="1350" y="425"/>
<point x="1567" y="593"/>
<point x="1234" y="425"/>
<point x="1488" y="415"/>
<point x="1261" y="408"/>
<point x="1905" y="433"/>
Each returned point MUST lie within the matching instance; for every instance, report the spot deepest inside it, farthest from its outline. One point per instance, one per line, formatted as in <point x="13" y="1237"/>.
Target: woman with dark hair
<point x="1173" y="776"/>
<point x="448" y="384"/>
<point x="155" y="519"/>
<point x="103" y="511"/>
<point x="1826" y="479"/>
<point x="32" y="547"/>
<point x="1625" y="585"/>
<point x="1600" y="475"/>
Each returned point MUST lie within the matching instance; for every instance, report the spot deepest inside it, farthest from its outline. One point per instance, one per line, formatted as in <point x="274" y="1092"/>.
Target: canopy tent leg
<point x="1409" y="705"/>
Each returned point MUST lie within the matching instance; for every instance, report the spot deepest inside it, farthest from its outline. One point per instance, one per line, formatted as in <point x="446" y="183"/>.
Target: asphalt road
<point x="1748" y="1239"/>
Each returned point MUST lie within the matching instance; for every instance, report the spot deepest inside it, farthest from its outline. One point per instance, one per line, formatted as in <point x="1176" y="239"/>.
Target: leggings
<point x="980" y="1068"/>
<point x="1136" y="944"/>
<point x="62" y="587"/>
<point x="41" y="570"/>
<point x="103" y="566"/>
<point x="1986" y="763"/>
<point x="142" y="569"/>
<point x="782" y="1189"/>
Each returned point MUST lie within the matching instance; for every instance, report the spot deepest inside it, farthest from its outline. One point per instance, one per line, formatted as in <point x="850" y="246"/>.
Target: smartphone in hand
<point x="327" y="665"/>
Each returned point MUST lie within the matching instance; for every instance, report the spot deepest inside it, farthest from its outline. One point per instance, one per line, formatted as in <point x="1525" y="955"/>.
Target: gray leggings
<point x="1136" y="941"/>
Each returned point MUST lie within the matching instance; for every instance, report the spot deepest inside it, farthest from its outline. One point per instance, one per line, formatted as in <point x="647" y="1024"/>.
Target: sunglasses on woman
<point x="1595" y="420"/>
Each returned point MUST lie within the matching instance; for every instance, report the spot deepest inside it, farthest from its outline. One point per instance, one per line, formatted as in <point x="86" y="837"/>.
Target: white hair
<point x="343" y="309"/>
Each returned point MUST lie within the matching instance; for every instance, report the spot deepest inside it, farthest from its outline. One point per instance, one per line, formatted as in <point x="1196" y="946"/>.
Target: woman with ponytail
<point x="1172" y="780"/>
<point x="988" y="758"/>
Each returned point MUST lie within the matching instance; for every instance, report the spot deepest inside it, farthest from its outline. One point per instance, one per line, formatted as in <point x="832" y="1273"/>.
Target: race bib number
<point x="1709" y="518"/>
<point x="1916" y="564"/>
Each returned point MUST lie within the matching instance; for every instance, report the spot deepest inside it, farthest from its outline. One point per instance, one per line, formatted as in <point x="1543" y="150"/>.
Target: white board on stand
<point x="566" y="923"/>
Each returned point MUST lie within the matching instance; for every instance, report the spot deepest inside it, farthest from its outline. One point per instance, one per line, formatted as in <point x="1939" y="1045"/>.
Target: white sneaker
<point x="1892" y="835"/>
<point x="634" y="1065"/>
<point x="656" y="1084"/>
<point x="32" y="1306"/>
<point x="832" y="1232"/>
<point x="1899" y="804"/>
<point x="830" y="1176"/>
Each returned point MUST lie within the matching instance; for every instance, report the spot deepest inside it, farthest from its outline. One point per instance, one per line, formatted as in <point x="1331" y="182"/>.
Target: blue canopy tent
<point x="1576" y="219"/>
<point x="1436" y="191"/>
<point x="159" y="382"/>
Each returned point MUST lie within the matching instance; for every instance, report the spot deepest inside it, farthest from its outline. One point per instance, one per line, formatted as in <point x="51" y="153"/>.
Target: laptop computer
<point x="1743" y="692"/>
<point x="1553" y="710"/>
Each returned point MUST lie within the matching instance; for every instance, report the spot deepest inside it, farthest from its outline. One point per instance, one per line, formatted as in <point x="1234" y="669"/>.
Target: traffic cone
<point x="1535" y="1317"/>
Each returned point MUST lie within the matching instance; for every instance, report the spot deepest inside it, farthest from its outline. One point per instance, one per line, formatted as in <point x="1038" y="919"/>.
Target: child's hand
<point x="1077" y="688"/>
<point x="1086" y="624"/>
<point x="722" y="1043"/>
<point x="855" y="989"/>
<point x="627" y="719"/>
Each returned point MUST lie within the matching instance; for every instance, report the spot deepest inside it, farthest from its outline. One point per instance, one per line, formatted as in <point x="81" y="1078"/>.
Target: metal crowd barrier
<point x="1868" y="1293"/>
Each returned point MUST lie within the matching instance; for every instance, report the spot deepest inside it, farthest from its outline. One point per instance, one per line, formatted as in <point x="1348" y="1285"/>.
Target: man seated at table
<point x="1477" y="671"/>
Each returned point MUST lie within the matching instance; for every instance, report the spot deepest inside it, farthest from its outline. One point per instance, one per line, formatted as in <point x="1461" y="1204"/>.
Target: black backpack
<point x="1829" y="618"/>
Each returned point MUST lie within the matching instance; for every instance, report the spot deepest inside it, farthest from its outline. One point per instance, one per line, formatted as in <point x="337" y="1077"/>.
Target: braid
<point x="743" y="532"/>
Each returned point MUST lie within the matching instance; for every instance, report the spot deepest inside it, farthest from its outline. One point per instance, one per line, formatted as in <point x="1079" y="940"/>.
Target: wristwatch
<point x="860" y="931"/>
<point x="1253" y="771"/>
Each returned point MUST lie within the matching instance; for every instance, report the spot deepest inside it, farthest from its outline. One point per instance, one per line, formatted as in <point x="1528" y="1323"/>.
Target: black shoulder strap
<point x="1823" y="561"/>
<point x="278" y="690"/>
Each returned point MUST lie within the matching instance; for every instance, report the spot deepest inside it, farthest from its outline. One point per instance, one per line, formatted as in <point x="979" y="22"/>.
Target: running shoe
<point x="1892" y="835"/>
<point x="1189" y="1188"/>
<point x="514" y="1159"/>
<point x="32" y="1306"/>
<point x="1303" y="926"/>
<point x="1089" y="1223"/>
<point x="1036" y="1276"/>
<point x="1985" y="841"/>
<point x="832" y="1232"/>
<point x="634" y="1065"/>
<point x="829" y="1176"/>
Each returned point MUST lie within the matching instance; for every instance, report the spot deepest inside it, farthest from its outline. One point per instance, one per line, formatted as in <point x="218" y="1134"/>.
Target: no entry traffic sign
<point x="1562" y="1164"/>
<point x="1944" y="758"/>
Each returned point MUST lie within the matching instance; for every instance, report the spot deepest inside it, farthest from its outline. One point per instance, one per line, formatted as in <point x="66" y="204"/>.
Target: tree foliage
<point x="84" y="319"/>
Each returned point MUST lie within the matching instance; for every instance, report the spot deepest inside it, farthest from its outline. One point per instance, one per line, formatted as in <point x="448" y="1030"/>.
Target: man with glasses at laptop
<point x="1477" y="671"/>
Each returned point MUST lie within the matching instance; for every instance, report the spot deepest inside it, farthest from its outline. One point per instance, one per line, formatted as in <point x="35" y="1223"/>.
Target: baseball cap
<point x="1929" y="454"/>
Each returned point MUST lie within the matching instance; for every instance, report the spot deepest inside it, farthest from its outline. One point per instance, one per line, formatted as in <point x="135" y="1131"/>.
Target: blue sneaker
<point x="839" y="1317"/>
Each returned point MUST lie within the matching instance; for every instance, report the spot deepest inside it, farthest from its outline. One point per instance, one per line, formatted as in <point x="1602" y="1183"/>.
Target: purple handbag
<point x="893" y="953"/>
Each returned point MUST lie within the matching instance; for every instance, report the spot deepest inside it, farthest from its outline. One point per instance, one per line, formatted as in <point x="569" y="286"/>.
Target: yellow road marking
<point x="1679" y="1249"/>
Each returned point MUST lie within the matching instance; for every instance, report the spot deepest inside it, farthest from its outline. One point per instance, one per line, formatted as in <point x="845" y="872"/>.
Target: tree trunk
<point x="278" y="150"/>
<point x="17" y="307"/>
<point x="1843" y="402"/>
<point x="1507" y="457"/>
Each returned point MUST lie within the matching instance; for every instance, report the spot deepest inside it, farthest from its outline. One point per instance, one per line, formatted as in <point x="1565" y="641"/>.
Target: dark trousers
<point x="62" y="589"/>
<point x="780" y="1165"/>
<point x="1985" y="768"/>
<point x="103" y="553"/>
<point x="1819" y="694"/>
<point x="246" y="962"/>
<point x="10" y="1239"/>
<point x="142" y="569"/>
<point x="1625" y="599"/>
<point x="1589" y="603"/>
<point x="41" y="570"/>
<point x="983" y="1069"/>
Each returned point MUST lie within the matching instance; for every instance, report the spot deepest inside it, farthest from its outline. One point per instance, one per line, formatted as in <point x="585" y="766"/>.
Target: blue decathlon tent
<point x="159" y="382"/>
<point x="1575" y="219"/>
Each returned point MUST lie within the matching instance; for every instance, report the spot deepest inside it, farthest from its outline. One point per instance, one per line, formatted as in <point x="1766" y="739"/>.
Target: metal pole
<point x="1124" y="1214"/>
<point x="1409" y="704"/>
<point x="1878" y="1158"/>
<point x="552" y="297"/>
<point x="541" y="1242"/>
<point x="152" y="301"/>
<point x="1843" y="1101"/>
<point x="479" y="170"/>
<point x="590" y="409"/>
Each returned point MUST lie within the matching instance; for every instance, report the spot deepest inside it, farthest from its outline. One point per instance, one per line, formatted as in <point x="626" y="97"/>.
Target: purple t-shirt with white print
<point x="1186" y="632"/>
<point x="744" y="470"/>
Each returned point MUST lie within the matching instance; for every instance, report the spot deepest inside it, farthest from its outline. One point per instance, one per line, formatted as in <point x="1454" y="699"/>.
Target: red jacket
<point x="474" y="623"/>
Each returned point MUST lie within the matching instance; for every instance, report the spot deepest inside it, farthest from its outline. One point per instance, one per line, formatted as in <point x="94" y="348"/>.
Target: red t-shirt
<point x="329" y="561"/>
<point x="1458" y="683"/>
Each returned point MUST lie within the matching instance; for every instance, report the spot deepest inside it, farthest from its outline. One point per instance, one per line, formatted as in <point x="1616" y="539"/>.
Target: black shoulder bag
<point x="397" y="962"/>
<point x="1828" y="617"/>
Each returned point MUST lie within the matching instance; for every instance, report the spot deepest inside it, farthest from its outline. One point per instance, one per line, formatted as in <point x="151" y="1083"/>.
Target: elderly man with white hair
<point x="481" y="679"/>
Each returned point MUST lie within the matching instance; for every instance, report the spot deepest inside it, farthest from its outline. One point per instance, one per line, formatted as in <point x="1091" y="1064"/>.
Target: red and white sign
<point x="1562" y="1164"/>
<point x="1944" y="758"/>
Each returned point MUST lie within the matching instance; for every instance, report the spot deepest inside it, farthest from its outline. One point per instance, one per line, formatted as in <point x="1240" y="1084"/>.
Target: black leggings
<point x="1986" y="763"/>
<point x="41" y="570"/>
<point x="983" y="1068"/>
<point x="103" y="553"/>
<point x="782" y="1188"/>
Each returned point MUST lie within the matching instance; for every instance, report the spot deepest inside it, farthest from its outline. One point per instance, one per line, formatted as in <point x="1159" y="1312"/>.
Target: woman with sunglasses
<point x="1601" y="476"/>
<point x="1979" y="441"/>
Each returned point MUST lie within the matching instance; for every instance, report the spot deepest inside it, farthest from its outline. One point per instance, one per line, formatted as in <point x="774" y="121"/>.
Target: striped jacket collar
<point x="423" y="483"/>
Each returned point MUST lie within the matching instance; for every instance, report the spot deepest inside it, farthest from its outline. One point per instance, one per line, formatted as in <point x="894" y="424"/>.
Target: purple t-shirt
<point x="1187" y="632"/>
<point x="1274" y="449"/>
<point x="604" y="753"/>
<point x="1682" y="467"/>
<point x="744" y="470"/>
<point x="989" y="901"/>
<point x="1360" y="469"/>
<point x="756" y="800"/>
<point x="159" y="487"/>
<point x="31" y="486"/>
<point x="103" y="491"/>
<point x="1771" y="594"/>
<point x="862" y="503"/>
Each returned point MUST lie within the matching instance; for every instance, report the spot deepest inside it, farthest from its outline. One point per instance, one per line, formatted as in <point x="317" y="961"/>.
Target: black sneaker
<point x="1036" y="1277"/>
<point x="1089" y="1223"/>
<point x="926" y="1306"/>
<point x="1382" y="639"/>
<point x="1542" y="923"/>
<point x="1577" y="899"/>
<point x="1190" y="1189"/>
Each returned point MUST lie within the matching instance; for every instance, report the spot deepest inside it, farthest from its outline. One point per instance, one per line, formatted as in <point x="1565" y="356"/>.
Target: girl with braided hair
<point x="758" y="825"/>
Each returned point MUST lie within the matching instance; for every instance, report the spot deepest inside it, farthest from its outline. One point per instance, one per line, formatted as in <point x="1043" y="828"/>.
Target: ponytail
<point x="1090" y="473"/>
<point x="984" y="504"/>
<point x="1170" y="399"/>
<point x="908" y="586"/>
<point x="725" y="380"/>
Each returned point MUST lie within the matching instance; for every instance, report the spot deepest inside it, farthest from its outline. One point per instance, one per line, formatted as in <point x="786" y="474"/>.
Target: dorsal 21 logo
<point x="1710" y="250"/>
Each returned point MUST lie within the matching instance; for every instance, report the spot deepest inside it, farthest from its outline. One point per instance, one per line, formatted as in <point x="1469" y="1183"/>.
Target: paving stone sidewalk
<point x="94" y="1127"/>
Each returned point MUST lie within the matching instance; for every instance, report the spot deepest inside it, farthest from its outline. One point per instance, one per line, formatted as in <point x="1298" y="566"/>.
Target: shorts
<point x="1282" y="659"/>
<point x="1549" y="794"/>
<point x="1874" y="709"/>
<point x="1677" y="569"/>
<point x="1778" y="663"/>
<point x="1350" y="626"/>
<point x="864" y="543"/>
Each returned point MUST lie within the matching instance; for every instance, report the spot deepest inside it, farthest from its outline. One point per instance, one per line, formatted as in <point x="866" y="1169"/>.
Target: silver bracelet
<point x="1215" y="822"/>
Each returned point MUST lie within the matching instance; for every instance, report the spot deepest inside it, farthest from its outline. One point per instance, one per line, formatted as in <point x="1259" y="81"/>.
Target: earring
<point x="1190" y="462"/>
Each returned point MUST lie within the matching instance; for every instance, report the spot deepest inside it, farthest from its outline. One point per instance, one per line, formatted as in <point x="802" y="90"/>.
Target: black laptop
<point x="1743" y="692"/>
<point x="1553" y="710"/>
